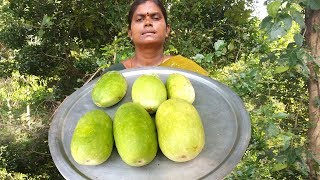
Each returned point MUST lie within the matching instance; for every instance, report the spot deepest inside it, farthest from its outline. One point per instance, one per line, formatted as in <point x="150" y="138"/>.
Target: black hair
<point x="135" y="5"/>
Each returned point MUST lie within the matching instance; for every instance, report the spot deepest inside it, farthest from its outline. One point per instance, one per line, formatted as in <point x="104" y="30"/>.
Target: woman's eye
<point x="156" y="17"/>
<point x="139" y="19"/>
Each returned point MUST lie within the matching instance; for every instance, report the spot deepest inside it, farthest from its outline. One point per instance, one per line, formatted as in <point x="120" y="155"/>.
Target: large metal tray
<point x="226" y="122"/>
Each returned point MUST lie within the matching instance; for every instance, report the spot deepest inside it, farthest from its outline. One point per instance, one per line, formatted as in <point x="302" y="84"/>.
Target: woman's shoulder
<point x="178" y="56"/>
<point x="181" y="62"/>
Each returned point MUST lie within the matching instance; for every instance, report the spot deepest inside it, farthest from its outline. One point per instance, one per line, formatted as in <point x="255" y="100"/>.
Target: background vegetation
<point x="51" y="48"/>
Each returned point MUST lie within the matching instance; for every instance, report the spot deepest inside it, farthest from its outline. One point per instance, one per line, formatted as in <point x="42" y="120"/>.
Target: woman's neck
<point x="147" y="57"/>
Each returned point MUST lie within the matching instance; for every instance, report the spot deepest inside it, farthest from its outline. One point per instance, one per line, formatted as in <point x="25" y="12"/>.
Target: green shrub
<point x="278" y="117"/>
<point x="26" y="109"/>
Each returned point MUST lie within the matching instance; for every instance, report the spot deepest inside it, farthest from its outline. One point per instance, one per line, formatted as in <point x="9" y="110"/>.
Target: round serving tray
<point x="224" y="117"/>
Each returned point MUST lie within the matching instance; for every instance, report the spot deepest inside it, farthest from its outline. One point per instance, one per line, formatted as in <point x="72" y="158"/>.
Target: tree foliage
<point x="217" y="30"/>
<point x="282" y="15"/>
<point x="25" y="101"/>
<point x="301" y="56"/>
<point x="51" y="47"/>
<point x="55" y="38"/>
<point x="50" y="35"/>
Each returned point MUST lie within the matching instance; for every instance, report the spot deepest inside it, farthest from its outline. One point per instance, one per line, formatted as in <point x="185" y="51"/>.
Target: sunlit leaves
<point x="25" y="117"/>
<point x="237" y="13"/>
<point x="117" y="51"/>
<point x="280" y="115"/>
<point x="199" y="25"/>
<point x="274" y="152"/>
<point x="279" y="20"/>
<point x="47" y="21"/>
<point x="231" y="46"/>
<point x="279" y="24"/>
<point x="293" y="57"/>
<point x="272" y="130"/>
<point x="279" y="166"/>
<point x="219" y="45"/>
<point x="266" y="23"/>
<point x="202" y="59"/>
<point x="298" y="17"/>
<point x="281" y="69"/>
<point x="277" y="27"/>
<point x="220" y="48"/>
<point x="273" y="7"/>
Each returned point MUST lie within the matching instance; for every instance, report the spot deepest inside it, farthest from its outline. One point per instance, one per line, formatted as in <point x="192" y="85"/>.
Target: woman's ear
<point x="130" y="34"/>
<point x="168" y="30"/>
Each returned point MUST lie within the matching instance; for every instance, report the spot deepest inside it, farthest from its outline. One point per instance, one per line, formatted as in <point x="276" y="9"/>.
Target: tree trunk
<point x="312" y="37"/>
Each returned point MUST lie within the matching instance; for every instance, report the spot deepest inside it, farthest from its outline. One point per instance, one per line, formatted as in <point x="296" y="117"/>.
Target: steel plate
<point x="225" y="119"/>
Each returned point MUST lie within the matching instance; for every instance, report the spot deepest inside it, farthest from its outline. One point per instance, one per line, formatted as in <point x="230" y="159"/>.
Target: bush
<point x="25" y="113"/>
<point x="278" y="119"/>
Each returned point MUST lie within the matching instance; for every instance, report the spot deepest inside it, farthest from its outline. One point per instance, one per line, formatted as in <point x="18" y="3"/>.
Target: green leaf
<point x="266" y="23"/>
<point x="304" y="56"/>
<point x="46" y="21"/>
<point x="198" y="57"/>
<point x="41" y="33"/>
<point x="280" y="115"/>
<point x="273" y="7"/>
<point x="286" y="19"/>
<point x="219" y="45"/>
<point x="218" y="53"/>
<point x="298" y="38"/>
<point x="231" y="46"/>
<point x="281" y="69"/>
<point x="314" y="4"/>
<point x="208" y="57"/>
<point x="88" y="24"/>
<point x="286" y="142"/>
<point x="224" y="51"/>
<point x="281" y="27"/>
<point x="279" y="166"/>
<point x="298" y="18"/>
<point x="272" y="130"/>
<point x="291" y="56"/>
<point x="303" y="69"/>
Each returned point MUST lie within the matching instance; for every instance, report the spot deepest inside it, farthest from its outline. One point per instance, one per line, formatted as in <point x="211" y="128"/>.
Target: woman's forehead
<point x="148" y="7"/>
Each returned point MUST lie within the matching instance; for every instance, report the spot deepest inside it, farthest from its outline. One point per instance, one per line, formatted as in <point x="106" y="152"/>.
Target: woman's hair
<point x="135" y="5"/>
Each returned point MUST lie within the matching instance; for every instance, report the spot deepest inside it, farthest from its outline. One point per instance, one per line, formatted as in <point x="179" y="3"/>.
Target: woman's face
<point x="148" y="25"/>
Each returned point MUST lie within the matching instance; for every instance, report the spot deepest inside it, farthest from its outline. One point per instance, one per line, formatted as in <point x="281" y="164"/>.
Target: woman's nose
<point x="148" y="21"/>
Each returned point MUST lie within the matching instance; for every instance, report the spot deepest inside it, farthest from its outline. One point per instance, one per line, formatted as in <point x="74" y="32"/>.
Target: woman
<point x="148" y="29"/>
